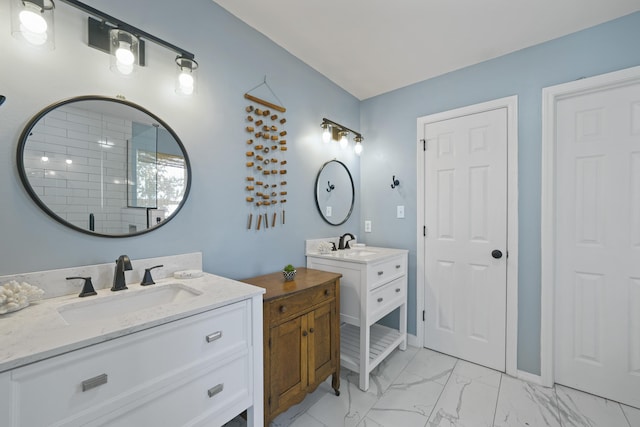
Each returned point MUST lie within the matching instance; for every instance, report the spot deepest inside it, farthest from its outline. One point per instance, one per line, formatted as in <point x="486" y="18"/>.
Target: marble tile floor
<point x="419" y="387"/>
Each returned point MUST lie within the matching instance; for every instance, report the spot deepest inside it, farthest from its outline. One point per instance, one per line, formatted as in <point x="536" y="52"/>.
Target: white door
<point x="597" y="278"/>
<point x="466" y="236"/>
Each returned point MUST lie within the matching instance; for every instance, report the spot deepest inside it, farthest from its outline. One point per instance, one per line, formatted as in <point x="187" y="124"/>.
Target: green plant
<point x="289" y="267"/>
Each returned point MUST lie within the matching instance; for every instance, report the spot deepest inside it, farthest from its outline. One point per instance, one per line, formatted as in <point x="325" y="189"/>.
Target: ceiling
<point x="369" y="47"/>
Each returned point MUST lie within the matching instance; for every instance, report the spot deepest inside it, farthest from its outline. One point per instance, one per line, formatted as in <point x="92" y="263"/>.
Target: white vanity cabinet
<point x="373" y="284"/>
<point x="199" y="370"/>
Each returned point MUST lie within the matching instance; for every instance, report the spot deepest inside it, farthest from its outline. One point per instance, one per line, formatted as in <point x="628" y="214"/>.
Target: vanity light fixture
<point x="124" y="42"/>
<point x="326" y="133"/>
<point x="186" y="75"/>
<point x="32" y="21"/>
<point x="338" y="132"/>
<point x="125" y="51"/>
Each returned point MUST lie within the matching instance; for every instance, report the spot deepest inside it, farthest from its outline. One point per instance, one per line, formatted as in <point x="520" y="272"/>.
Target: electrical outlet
<point x="328" y="211"/>
<point x="367" y="226"/>
<point x="400" y="211"/>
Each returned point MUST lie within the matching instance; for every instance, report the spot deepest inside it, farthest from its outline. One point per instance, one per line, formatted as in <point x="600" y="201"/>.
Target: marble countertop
<point x="39" y="331"/>
<point x="361" y="255"/>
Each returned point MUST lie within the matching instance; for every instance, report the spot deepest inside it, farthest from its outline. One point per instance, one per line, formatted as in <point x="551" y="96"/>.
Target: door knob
<point x="497" y="254"/>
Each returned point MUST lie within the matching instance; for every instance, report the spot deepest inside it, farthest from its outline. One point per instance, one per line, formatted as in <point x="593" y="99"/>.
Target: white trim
<point x="511" y="333"/>
<point x="413" y="341"/>
<point x="531" y="378"/>
<point x="550" y="96"/>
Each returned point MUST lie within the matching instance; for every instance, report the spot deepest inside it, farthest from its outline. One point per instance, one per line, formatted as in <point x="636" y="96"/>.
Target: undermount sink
<point x="125" y="302"/>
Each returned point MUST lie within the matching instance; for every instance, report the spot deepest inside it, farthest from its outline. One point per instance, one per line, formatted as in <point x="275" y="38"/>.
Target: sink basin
<point x="125" y="302"/>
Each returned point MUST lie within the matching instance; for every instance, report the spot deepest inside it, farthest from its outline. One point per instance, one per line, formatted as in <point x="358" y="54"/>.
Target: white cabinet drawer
<point x="210" y="396"/>
<point x="380" y="273"/>
<point x="381" y="298"/>
<point x="116" y="370"/>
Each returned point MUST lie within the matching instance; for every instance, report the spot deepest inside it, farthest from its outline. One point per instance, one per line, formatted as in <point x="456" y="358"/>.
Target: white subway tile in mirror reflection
<point x="419" y="387"/>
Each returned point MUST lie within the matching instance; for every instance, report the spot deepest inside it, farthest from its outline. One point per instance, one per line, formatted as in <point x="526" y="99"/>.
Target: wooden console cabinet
<point x="301" y="336"/>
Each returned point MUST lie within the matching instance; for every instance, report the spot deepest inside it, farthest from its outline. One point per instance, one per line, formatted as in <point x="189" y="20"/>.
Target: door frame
<point x="511" y="316"/>
<point x="550" y="97"/>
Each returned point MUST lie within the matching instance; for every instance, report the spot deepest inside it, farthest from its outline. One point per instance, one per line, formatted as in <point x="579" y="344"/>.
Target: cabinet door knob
<point x="94" y="382"/>
<point x="326" y="292"/>
<point x="398" y="266"/>
<point x="311" y="330"/>
<point x="215" y="390"/>
<point x="214" y="336"/>
<point x="304" y="333"/>
<point x="380" y="273"/>
<point x="397" y="289"/>
<point x="283" y="308"/>
<point x="380" y="299"/>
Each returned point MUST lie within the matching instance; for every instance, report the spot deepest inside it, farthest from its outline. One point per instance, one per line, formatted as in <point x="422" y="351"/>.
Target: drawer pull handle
<point x="283" y="308"/>
<point x="397" y="289"/>
<point x="326" y="292"/>
<point x="94" y="382"/>
<point x="214" y="336"/>
<point x="380" y="273"/>
<point x="380" y="299"/>
<point x="215" y="390"/>
<point x="398" y="266"/>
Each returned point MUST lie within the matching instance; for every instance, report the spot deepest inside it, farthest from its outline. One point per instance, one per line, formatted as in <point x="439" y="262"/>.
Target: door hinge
<point x="424" y="230"/>
<point x="424" y="144"/>
<point x="269" y="401"/>
<point x="423" y="314"/>
<point x="269" y="342"/>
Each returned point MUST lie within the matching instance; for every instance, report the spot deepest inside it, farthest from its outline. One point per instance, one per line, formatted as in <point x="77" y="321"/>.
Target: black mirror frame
<point x="353" y="193"/>
<point x="27" y="185"/>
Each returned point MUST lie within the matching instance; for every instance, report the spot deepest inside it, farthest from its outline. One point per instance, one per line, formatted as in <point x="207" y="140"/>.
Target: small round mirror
<point x="104" y="166"/>
<point x="335" y="192"/>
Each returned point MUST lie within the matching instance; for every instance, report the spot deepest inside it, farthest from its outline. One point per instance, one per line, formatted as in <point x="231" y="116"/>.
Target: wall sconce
<point x="186" y="75"/>
<point x="338" y="132"/>
<point x="32" y="22"/>
<point x="124" y="42"/>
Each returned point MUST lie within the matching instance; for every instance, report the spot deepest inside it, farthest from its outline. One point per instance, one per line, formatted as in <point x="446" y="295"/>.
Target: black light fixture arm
<point x="129" y="28"/>
<point x="341" y="127"/>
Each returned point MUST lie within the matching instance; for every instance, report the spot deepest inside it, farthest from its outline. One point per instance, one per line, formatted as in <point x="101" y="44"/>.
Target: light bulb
<point x="124" y="69"/>
<point x="326" y="134"/>
<point x="32" y="20"/>
<point x="186" y="82"/>
<point x="344" y="141"/>
<point x="358" y="148"/>
<point x="124" y="54"/>
<point x="36" y="39"/>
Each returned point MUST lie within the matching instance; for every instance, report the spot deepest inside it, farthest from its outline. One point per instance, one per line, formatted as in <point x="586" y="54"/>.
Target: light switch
<point x="367" y="226"/>
<point x="400" y="211"/>
<point x="328" y="211"/>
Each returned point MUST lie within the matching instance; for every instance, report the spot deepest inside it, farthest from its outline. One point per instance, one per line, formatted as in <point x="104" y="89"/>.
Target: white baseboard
<point x="529" y="377"/>
<point x="413" y="341"/>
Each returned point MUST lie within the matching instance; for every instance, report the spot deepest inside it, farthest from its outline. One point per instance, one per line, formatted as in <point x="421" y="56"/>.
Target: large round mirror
<point x="334" y="192"/>
<point x="104" y="166"/>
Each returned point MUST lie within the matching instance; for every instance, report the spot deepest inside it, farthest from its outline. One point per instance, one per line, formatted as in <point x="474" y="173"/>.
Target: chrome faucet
<point x="123" y="263"/>
<point x="345" y="245"/>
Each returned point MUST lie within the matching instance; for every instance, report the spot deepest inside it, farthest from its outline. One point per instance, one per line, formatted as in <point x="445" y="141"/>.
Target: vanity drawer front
<point x="291" y="306"/>
<point x="123" y="367"/>
<point x="204" y="397"/>
<point x="382" y="272"/>
<point x="387" y="297"/>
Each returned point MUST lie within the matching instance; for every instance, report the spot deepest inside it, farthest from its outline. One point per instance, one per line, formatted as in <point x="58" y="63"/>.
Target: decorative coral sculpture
<point x="15" y="296"/>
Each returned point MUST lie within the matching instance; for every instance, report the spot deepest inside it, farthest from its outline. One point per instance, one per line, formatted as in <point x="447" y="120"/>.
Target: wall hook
<point x="395" y="182"/>
<point x="330" y="187"/>
<point x="2" y="99"/>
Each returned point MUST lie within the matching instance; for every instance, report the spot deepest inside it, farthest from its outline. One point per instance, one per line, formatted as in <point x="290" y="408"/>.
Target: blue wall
<point x="389" y="123"/>
<point x="233" y="59"/>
